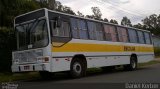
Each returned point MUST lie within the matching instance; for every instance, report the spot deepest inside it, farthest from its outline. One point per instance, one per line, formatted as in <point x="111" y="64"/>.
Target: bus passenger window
<point x="132" y="36"/>
<point x="147" y="38"/>
<point x="63" y="31"/>
<point x="110" y="33"/>
<point x="99" y="32"/>
<point x="79" y="28"/>
<point x="75" y="31"/>
<point x="122" y="34"/>
<point x="82" y="29"/>
<point x="92" y="29"/>
<point x="141" y="37"/>
<point x="95" y="31"/>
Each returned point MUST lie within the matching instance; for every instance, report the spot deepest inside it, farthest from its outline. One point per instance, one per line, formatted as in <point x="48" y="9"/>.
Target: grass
<point x="9" y="77"/>
<point x="149" y="63"/>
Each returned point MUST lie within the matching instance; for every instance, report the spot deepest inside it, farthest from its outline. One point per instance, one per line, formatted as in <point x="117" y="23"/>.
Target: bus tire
<point x="45" y="74"/>
<point x="133" y="64"/>
<point x="78" y="68"/>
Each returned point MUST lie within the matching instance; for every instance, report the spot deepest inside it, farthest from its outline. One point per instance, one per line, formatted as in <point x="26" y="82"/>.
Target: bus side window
<point x="133" y="36"/>
<point x="122" y="34"/>
<point x="92" y="29"/>
<point x="82" y="29"/>
<point x="62" y="31"/>
<point x="99" y="32"/>
<point x="65" y="29"/>
<point x="74" y="27"/>
<point x="147" y="38"/>
<point x="110" y="33"/>
<point x="141" y="37"/>
<point x="79" y="28"/>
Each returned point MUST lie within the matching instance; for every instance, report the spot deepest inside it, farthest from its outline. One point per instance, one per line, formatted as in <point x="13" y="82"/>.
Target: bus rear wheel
<point x="78" y="68"/>
<point x="133" y="64"/>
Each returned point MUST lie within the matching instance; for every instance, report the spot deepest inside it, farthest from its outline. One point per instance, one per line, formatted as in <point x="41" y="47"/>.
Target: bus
<point x="49" y="41"/>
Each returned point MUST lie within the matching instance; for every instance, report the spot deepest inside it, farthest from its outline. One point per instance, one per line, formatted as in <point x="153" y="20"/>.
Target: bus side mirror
<point x="58" y="21"/>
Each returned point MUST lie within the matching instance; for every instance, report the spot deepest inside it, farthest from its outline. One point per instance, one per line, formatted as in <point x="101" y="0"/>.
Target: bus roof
<point x="45" y="10"/>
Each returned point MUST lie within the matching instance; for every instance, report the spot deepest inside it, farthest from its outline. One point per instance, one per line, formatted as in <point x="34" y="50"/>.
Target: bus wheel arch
<point x="135" y="56"/>
<point x="78" y="66"/>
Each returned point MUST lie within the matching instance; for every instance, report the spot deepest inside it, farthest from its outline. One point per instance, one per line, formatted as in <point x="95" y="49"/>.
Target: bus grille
<point x="28" y="56"/>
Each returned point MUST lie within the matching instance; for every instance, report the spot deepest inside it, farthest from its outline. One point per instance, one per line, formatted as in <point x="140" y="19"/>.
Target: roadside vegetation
<point x="9" y="77"/>
<point x="157" y="52"/>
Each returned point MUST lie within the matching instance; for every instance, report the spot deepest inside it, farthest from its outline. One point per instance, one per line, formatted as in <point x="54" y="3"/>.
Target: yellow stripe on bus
<point x="82" y="47"/>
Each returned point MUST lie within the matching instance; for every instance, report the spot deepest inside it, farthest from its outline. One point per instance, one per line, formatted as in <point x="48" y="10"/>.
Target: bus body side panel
<point x="99" y="53"/>
<point x="145" y="58"/>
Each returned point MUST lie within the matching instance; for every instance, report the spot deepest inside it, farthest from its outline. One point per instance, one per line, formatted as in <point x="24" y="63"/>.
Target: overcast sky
<point x="135" y="10"/>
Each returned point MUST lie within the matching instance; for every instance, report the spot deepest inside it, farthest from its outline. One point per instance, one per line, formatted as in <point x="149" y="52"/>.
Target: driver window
<point x="62" y="31"/>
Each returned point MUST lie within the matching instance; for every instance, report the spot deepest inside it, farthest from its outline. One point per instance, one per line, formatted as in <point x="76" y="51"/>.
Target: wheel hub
<point x="77" y="67"/>
<point x="133" y="64"/>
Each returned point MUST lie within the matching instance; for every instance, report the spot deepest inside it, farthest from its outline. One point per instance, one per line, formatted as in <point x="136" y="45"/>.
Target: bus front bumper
<point x="30" y="67"/>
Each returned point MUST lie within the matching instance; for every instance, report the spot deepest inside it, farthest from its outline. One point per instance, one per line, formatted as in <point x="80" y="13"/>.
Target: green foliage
<point x="152" y="23"/>
<point x="9" y="77"/>
<point x="113" y="21"/>
<point x="157" y="51"/>
<point x="140" y="26"/>
<point x="65" y="9"/>
<point x="7" y="45"/>
<point x="11" y="8"/>
<point x="105" y="20"/>
<point x="80" y="14"/>
<point x="126" y="22"/>
<point x="96" y="13"/>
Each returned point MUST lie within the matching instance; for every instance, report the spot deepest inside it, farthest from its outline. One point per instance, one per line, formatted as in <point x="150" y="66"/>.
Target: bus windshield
<point x="32" y="35"/>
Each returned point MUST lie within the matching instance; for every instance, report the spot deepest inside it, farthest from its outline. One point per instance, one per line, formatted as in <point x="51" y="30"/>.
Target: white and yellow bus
<point x="50" y="41"/>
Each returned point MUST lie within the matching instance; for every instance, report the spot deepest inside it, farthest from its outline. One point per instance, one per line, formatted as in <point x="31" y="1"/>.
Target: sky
<point x="135" y="10"/>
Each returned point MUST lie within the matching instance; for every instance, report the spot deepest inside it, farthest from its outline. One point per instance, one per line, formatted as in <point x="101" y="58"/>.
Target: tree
<point x="11" y="8"/>
<point x="89" y="16"/>
<point x="113" y="21"/>
<point x="80" y="14"/>
<point x="139" y="26"/>
<point x="126" y="22"/>
<point x="43" y="3"/>
<point x="152" y="24"/>
<point x="96" y="13"/>
<point x="68" y="10"/>
<point x="59" y="6"/>
<point x="51" y="4"/>
<point x="7" y="44"/>
<point x="105" y="20"/>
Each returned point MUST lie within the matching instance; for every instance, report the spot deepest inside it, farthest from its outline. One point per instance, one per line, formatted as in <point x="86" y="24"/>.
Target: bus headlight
<point x="42" y="59"/>
<point x="16" y="61"/>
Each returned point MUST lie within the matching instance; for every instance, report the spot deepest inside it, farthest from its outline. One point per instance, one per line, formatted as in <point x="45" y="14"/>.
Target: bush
<point x="157" y="51"/>
<point x="7" y="45"/>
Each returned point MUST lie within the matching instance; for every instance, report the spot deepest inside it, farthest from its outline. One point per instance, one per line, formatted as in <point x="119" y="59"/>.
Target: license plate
<point x="26" y="67"/>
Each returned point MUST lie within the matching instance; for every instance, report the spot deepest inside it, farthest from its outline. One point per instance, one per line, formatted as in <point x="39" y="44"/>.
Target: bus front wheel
<point x="78" y="68"/>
